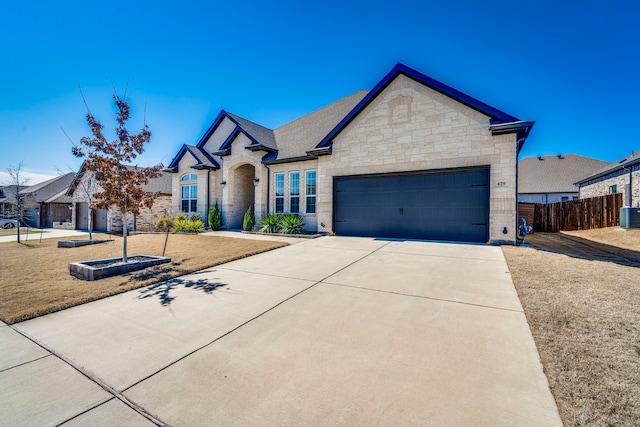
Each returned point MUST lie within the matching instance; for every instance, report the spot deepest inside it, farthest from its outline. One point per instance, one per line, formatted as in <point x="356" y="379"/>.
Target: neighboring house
<point x="8" y="201"/>
<point x="45" y="204"/>
<point x="412" y="158"/>
<point x="613" y="179"/>
<point x="551" y="179"/>
<point x="82" y="191"/>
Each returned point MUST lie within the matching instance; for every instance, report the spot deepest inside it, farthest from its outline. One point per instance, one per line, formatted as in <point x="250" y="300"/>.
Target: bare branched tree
<point x="119" y="185"/>
<point x="86" y="193"/>
<point x="17" y="179"/>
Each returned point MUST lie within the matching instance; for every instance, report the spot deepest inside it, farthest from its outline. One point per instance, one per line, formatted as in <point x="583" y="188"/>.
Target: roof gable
<point x="496" y="116"/>
<point x="260" y="136"/>
<point x="312" y="135"/>
<point x="160" y="184"/>
<point x="203" y="159"/>
<point x="49" y="188"/>
<point x="626" y="162"/>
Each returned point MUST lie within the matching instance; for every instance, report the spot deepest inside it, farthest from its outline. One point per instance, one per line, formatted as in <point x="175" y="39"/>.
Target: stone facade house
<point x="617" y="177"/>
<point x="84" y="187"/>
<point x="8" y="200"/>
<point x="550" y="179"/>
<point x="46" y="205"/>
<point x="411" y="158"/>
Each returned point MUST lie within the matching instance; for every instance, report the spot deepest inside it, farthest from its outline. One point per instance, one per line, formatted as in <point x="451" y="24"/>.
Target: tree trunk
<point x="124" y="236"/>
<point x="90" y="220"/>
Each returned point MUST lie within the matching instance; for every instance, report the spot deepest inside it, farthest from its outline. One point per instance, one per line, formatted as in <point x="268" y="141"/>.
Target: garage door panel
<point x="443" y="205"/>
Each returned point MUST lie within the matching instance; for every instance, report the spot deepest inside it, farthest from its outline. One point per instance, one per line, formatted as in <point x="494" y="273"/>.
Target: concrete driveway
<point x="330" y="331"/>
<point x="48" y="233"/>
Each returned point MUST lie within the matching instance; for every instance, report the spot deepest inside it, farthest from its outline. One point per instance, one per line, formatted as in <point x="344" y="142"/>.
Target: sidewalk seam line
<point x="249" y="320"/>
<point x="425" y="297"/>
<point x="101" y="384"/>
<point x="24" y="363"/>
<point x="85" y="411"/>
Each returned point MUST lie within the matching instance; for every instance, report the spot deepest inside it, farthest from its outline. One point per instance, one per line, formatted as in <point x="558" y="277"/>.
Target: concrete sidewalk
<point x="329" y="331"/>
<point x="48" y="233"/>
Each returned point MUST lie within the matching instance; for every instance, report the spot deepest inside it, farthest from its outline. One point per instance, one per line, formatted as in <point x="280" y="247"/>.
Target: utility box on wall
<point x="630" y="217"/>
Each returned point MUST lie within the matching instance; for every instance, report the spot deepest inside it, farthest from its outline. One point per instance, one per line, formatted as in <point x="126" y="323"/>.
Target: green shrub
<point x="291" y="224"/>
<point x="180" y="225"/>
<point x="269" y="223"/>
<point x="249" y="220"/>
<point x="195" y="226"/>
<point x="164" y="223"/>
<point x="215" y="218"/>
<point x="195" y="217"/>
<point x="183" y="225"/>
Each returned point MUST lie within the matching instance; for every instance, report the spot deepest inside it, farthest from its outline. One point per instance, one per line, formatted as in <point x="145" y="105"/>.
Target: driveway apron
<point x="335" y="330"/>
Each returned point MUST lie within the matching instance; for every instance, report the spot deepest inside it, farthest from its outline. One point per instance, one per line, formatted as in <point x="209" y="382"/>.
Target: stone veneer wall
<point x="600" y="186"/>
<point x="410" y="127"/>
<point x="144" y="221"/>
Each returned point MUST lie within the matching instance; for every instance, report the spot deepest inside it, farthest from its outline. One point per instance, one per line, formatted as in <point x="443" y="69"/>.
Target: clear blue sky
<point x="572" y="66"/>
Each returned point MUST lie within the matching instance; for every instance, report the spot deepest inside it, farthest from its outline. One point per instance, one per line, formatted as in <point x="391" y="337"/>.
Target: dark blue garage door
<point x="434" y="205"/>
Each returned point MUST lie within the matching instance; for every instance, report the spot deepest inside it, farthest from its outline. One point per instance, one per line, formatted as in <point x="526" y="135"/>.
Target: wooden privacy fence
<point x="583" y="214"/>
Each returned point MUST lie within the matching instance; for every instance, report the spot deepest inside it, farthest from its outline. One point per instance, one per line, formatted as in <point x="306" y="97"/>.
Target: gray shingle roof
<point x="302" y="135"/>
<point x="631" y="159"/>
<point x="161" y="184"/>
<point x="294" y="139"/>
<point x="47" y="189"/>
<point x="203" y="158"/>
<point x="553" y="174"/>
<point x="10" y="194"/>
<point x="262" y="134"/>
<point x="61" y="197"/>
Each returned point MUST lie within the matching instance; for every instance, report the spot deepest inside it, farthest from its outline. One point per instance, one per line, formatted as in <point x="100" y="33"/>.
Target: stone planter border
<point x="102" y="268"/>
<point x="78" y="243"/>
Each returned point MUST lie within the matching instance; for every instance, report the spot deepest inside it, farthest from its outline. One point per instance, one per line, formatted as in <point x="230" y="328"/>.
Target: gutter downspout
<point x="631" y="186"/>
<point x="521" y="140"/>
<point x="206" y="214"/>
<point x="268" y="186"/>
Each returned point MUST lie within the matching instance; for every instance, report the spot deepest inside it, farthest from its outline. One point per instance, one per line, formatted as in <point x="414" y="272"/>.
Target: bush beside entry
<point x="291" y="224"/>
<point x="285" y="224"/>
<point x="269" y="223"/>
<point x="215" y="218"/>
<point x="249" y="220"/>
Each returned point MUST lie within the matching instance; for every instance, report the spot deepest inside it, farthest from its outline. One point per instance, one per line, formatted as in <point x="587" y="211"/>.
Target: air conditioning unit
<point x="630" y="217"/>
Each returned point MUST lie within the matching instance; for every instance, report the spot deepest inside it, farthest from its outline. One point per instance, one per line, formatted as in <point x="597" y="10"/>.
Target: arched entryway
<point x="242" y="192"/>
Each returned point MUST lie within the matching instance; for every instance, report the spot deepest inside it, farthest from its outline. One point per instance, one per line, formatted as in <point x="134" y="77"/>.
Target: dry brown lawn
<point x="580" y="292"/>
<point x="35" y="278"/>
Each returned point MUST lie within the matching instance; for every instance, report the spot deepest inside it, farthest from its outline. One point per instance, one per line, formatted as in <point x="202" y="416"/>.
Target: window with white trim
<point x="279" y="192"/>
<point x="294" y="192"/>
<point x="189" y="195"/>
<point x="310" y="184"/>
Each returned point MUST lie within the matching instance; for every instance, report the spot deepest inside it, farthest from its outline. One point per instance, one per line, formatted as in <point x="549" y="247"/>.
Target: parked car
<point x="8" y="223"/>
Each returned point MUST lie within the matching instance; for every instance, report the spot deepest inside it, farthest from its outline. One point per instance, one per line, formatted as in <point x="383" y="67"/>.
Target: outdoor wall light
<point x="504" y="230"/>
<point x="256" y="180"/>
<point x="223" y="183"/>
